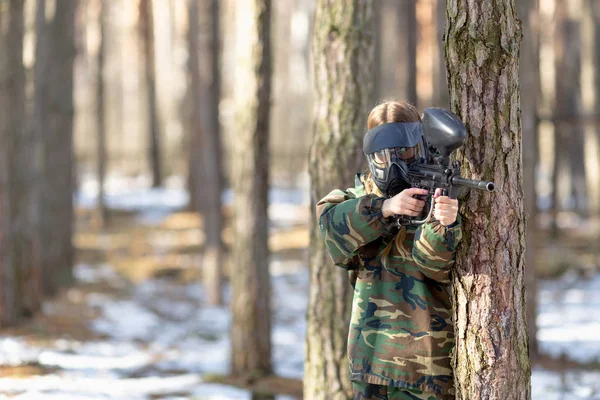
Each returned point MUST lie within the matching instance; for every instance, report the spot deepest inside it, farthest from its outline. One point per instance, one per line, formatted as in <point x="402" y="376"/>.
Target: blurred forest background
<point x="122" y="136"/>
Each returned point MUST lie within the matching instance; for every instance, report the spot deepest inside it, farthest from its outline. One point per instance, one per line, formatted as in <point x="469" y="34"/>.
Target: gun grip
<point x="452" y="193"/>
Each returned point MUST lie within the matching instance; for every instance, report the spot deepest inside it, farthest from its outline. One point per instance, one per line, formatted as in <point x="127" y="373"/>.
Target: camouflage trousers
<point x="369" y="391"/>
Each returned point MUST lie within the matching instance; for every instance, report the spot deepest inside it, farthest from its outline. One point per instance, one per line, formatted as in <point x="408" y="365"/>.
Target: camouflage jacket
<point x="401" y="332"/>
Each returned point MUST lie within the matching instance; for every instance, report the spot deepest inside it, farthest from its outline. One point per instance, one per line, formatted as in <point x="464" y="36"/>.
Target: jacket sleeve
<point x="347" y="223"/>
<point x="434" y="249"/>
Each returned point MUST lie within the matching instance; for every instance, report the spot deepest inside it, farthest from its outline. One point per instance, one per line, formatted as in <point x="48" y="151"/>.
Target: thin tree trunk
<point x="20" y="273"/>
<point x="147" y="33"/>
<point x="101" y="155"/>
<point x="529" y="77"/>
<point x="569" y="138"/>
<point x="389" y="51"/>
<point x="40" y="132"/>
<point x="407" y="59"/>
<point x="53" y="115"/>
<point x="343" y="64"/>
<point x="380" y="80"/>
<point x="594" y="5"/>
<point x="214" y="251"/>
<point x="440" y="82"/>
<point x="251" y="314"/>
<point x="204" y="129"/>
<point x="491" y="356"/>
<point x="57" y="204"/>
<point x="197" y="174"/>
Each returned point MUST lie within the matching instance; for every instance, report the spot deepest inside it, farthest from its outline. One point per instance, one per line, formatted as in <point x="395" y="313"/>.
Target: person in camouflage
<point x="401" y="332"/>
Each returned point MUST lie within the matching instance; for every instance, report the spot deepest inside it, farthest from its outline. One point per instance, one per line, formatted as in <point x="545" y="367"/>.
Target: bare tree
<point x="594" y="7"/>
<point x="440" y="83"/>
<point x="343" y="64"/>
<point x="101" y="154"/>
<point x="197" y="174"/>
<point x="203" y="127"/>
<point x="147" y="38"/>
<point x="40" y="132"/>
<point x="53" y="133"/>
<point x="530" y="89"/>
<point x="20" y="272"/>
<point x="396" y="36"/>
<point x="569" y="135"/>
<point x="251" y="314"/>
<point x="491" y="356"/>
<point x="406" y="62"/>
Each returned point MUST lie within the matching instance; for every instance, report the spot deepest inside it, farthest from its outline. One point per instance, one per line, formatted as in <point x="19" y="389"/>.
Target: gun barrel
<point x="481" y="185"/>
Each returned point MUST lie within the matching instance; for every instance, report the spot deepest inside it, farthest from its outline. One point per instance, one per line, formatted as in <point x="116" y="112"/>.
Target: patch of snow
<point x="95" y="273"/>
<point x="548" y="385"/>
<point x="113" y="388"/>
<point x="97" y="356"/>
<point x="566" y="317"/>
<point x="126" y="320"/>
<point x="168" y="337"/>
<point x="15" y="351"/>
<point x="213" y="391"/>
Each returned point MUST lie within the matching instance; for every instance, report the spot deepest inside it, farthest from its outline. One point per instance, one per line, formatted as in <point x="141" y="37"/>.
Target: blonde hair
<point x="383" y="113"/>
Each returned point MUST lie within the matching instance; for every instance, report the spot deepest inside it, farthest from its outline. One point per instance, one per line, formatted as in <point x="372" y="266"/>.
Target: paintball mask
<point x="390" y="149"/>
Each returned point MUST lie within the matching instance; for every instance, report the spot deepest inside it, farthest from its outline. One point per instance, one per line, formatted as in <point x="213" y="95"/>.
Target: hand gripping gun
<point x="445" y="133"/>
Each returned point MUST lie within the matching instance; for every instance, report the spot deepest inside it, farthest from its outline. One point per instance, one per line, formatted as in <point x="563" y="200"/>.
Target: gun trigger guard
<point x="402" y="221"/>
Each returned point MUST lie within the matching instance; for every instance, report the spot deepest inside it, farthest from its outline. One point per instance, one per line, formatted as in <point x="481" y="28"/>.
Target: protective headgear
<point x="390" y="149"/>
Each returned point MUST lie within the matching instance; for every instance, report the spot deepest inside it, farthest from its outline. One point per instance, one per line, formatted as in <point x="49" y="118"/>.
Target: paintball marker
<point x="445" y="133"/>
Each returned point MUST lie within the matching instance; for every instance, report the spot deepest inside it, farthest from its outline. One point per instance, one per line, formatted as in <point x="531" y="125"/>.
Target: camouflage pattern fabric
<point x="401" y="333"/>
<point x="368" y="391"/>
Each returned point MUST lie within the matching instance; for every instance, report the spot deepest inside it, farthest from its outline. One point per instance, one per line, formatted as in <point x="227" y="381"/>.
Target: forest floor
<point x="135" y="325"/>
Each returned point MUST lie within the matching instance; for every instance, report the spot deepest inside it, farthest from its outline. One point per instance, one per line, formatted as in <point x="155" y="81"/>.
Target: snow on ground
<point x="132" y="194"/>
<point x="569" y="317"/>
<point x="160" y="340"/>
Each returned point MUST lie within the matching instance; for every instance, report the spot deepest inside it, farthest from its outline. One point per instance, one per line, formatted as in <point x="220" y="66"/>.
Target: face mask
<point x="392" y="179"/>
<point x="390" y="150"/>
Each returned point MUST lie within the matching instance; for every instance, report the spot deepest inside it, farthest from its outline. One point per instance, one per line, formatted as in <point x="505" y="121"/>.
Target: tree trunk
<point x="205" y="155"/>
<point x="594" y="6"/>
<point x="569" y="134"/>
<point x="440" y="82"/>
<point x="40" y="132"/>
<point x="491" y="357"/>
<point x="407" y="59"/>
<point x="380" y="80"/>
<point x="147" y="33"/>
<point x="197" y="175"/>
<point x="57" y="137"/>
<point x="343" y="65"/>
<point x="101" y="155"/>
<point x="20" y="273"/>
<point x="251" y="314"/>
<point x="529" y="77"/>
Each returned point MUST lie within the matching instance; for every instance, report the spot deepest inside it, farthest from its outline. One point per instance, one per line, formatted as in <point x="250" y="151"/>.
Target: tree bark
<point x="197" y="175"/>
<point x="101" y="153"/>
<point x="407" y="59"/>
<point x="40" y="133"/>
<point x="530" y="89"/>
<point x="251" y="315"/>
<point x="343" y="65"/>
<point x="569" y="138"/>
<point x="491" y="357"/>
<point x="440" y="82"/>
<point x="58" y="158"/>
<point x="147" y="36"/>
<point x="53" y="138"/>
<point x="20" y="273"/>
<point x="594" y="6"/>
<point x="204" y="129"/>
